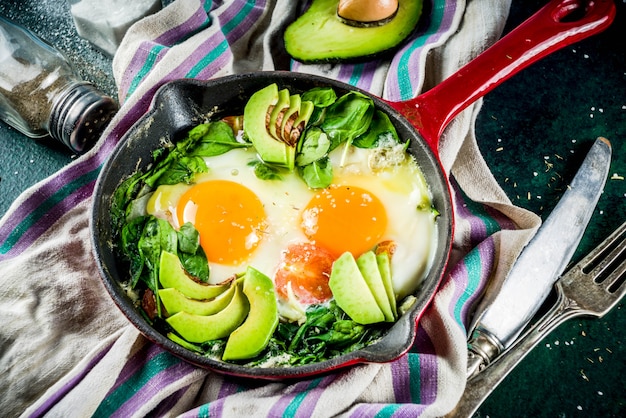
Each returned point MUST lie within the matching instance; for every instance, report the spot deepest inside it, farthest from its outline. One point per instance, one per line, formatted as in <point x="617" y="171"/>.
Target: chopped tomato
<point x="307" y="267"/>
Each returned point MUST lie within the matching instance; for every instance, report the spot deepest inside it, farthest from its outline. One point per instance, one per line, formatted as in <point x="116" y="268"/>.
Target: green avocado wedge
<point x="252" y="336"/>
<point x="201" y="328"/>
<point x="352" y="293"/>
<point x="174" y="302"/>
<point x="368" y="266"/>
<point x="172" y="274"/>
<point x="255" y="125"/>
<point x="384" y="267"/>
<point x="319" y="35"/>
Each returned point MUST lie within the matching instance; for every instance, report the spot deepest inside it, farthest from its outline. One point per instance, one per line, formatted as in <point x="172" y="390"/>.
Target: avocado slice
<point x="252" y="336"/>
<point x="201" y="328"/>
<point x="174" y="301"/>
<point x="352" y="293"/>
<point x="384" y="266"/>
<point x="368" y="266"/>
<point x="172" y="274"/>
<point x="256" y="125"/>
<point x="319" y="35"/>
<point x="290" y="116"/>
<point x="278" y="113"/>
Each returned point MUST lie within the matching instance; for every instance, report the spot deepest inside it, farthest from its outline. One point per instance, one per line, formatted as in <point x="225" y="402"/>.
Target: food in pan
<point x="291" y="232"/>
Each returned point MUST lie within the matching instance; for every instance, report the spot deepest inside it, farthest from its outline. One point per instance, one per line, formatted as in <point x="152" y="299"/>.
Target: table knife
<point x="503" y="313"/>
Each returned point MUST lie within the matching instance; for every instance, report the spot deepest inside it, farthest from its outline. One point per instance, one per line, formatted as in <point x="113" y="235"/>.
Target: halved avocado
<point x="319" y="35"/>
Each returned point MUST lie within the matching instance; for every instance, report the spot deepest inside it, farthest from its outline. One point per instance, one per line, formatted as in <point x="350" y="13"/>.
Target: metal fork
<point x="590" y="288"/>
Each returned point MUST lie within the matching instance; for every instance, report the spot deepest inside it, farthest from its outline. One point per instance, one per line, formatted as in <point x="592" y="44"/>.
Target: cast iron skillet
<point x="181" y="104"/>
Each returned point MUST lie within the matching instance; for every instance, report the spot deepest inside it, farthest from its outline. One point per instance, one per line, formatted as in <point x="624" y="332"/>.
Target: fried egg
<point x="243" y="220"/>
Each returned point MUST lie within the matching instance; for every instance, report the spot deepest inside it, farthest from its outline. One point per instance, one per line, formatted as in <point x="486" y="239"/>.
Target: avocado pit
<point x="367" y="13"/>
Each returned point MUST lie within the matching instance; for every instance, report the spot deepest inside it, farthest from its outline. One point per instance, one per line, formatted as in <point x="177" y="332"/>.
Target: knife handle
<point x="482" y="348"/>
<point x="480" y="386"/>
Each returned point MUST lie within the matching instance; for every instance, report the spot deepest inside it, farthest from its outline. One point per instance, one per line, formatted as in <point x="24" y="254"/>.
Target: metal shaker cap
<point x="80" y="115"/>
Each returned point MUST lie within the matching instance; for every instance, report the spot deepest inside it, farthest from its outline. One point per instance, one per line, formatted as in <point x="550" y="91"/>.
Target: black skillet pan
<point x="181" y="104"/>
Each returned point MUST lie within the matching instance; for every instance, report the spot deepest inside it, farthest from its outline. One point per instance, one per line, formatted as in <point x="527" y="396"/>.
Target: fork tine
<point x="614" y="283"/>
<point x="602" y="261"/>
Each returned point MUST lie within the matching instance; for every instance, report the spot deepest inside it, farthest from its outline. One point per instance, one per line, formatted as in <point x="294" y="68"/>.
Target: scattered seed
<point x="584" y="376"/>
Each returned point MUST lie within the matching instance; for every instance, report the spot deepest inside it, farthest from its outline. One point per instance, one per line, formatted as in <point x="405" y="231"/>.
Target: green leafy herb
<point x="318" y="174"/>
<point x="348" y="118"/>
<point x="320" y="96"/>
<point x="214" y="138"/>
<point x="265" y="171"/>
<point x="327" y="332"/>
<point x="314" y="147"/>
<point x="191" y="254"/>
<point x="381" y="129"/>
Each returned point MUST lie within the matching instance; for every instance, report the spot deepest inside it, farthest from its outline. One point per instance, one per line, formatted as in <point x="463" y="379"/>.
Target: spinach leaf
<point x="265" y="171"/>
<point x="381" y="129"/>
<point x="181" y="170"/>
<point x="129" y="239"/>
<point x="190" y="252"/>
<point x="314" y="146"/>
<point x="320" y="96"/>
<point x="318" y="174"/>
<point x="214" y="138"/>
<point x="348" y="118"/>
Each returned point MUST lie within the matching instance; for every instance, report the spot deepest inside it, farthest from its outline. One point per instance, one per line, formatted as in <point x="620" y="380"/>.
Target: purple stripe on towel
<point x="71" y="384"/>
<point x="283" y="403"/>
<point x="403" y="69"/>
<point x="167" y="38"/>
<point x="152" y="389"/>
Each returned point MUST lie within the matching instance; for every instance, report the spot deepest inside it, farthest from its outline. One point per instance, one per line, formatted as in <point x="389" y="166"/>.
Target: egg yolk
<point x="344" y="218"/>
<point x="228" y="216"/>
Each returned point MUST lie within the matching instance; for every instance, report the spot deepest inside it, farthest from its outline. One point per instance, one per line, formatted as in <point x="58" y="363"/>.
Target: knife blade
<point x="505" y="312"/>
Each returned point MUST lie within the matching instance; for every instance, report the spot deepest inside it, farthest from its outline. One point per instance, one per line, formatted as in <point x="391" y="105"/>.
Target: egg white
<point x="396" y="181"/>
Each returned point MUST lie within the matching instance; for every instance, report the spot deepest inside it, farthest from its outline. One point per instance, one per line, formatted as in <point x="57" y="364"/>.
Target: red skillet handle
<point x="543" y="33"/>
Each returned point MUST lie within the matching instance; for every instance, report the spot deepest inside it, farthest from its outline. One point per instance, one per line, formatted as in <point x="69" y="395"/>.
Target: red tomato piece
<point x="307" y="267"/>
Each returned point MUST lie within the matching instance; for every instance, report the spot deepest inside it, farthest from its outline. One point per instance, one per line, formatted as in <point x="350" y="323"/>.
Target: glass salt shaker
<point x="41" y="95"/>
<point x="104" y="23"/>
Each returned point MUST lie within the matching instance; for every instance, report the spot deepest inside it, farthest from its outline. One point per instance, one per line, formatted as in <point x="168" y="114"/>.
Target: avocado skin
<point x="319" y="35"/>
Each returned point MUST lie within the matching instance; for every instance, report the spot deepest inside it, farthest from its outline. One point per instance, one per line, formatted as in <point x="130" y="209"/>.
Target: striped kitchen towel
<point x="66" y="350"/>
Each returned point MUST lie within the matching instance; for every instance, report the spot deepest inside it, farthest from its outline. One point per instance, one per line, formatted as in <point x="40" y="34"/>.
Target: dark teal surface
<point x="533" y="131"/>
